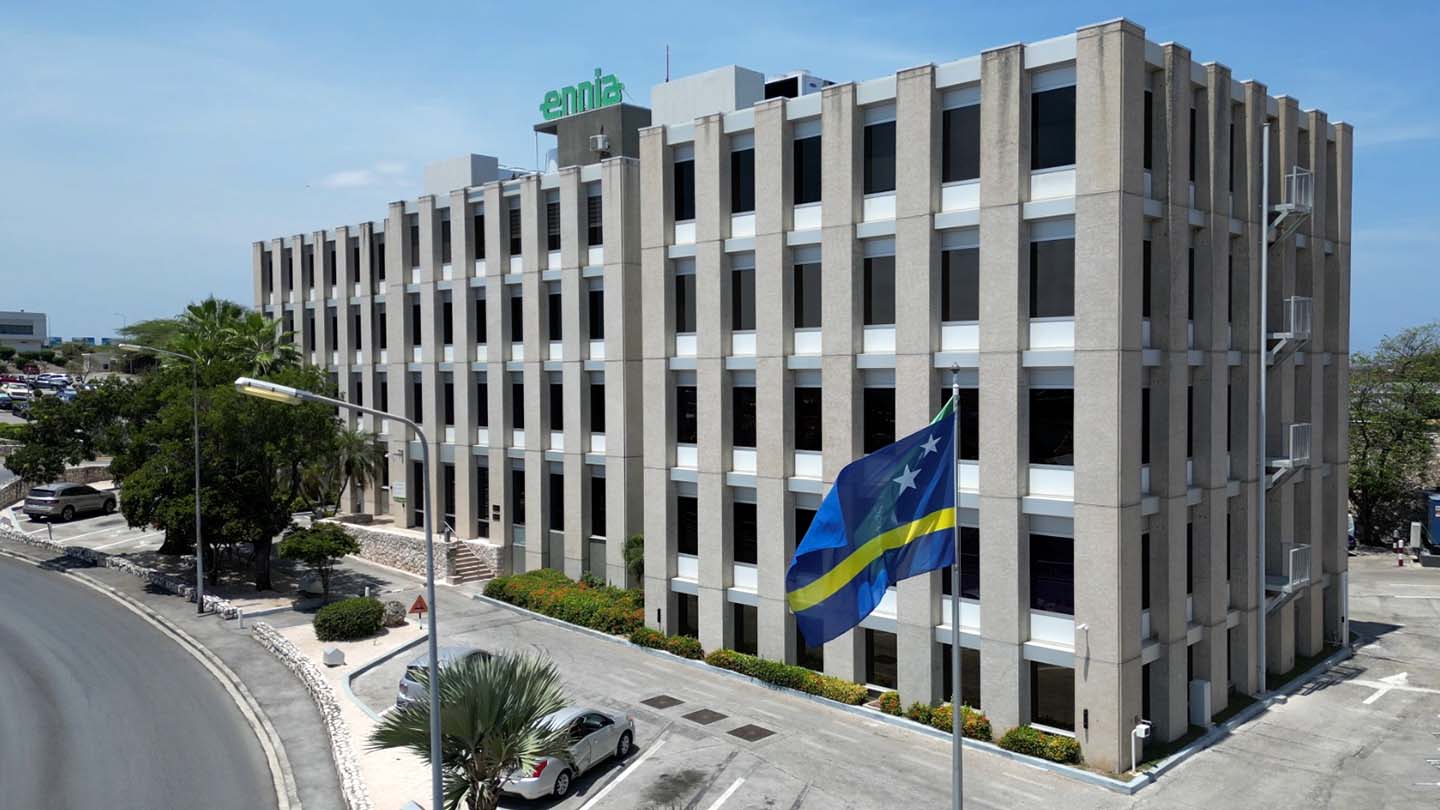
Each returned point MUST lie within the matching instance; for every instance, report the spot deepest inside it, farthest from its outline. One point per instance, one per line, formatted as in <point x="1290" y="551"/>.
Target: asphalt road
<point x="102" y="710"/>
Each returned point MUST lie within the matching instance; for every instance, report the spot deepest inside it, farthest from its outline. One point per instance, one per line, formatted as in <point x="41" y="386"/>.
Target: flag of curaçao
<point x="890" y="515"/>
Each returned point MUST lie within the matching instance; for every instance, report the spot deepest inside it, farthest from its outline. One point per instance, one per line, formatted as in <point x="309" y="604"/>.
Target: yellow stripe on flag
<point x="822" y="588"/>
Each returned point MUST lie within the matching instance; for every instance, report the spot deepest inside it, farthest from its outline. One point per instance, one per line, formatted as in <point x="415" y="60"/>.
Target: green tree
<point x="356" y="461"/>
<point x="1394" y="408"/>
<point x="62" y="434"/>
<point x="492" y="716"/>
<point x="319" y="546"/>
<point x="635" y="557"/>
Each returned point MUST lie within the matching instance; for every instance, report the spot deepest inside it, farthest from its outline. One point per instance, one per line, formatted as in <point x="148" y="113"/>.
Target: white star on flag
<point x="906" y="479"/>
<point x="931" y="445"/>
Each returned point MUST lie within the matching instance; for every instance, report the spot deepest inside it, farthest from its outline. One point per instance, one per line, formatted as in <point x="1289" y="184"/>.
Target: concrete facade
<point x="1148" y="513"/>
<point x="24" y="331"/>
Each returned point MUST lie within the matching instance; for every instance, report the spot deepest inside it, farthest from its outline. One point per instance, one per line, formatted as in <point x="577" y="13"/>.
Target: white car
<point x="17" y="391"/>
<point x="595" y="736"/>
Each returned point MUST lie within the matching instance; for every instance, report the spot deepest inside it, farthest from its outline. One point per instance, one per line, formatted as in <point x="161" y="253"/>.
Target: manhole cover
<point x="662" y="701"/>
<point x="751" y="732"/>
<point x="705" y="716"/>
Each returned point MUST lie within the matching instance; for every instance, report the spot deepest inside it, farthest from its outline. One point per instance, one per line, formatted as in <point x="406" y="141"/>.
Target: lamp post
<point x="284" y="393"/>
<point x="195" y="440"/>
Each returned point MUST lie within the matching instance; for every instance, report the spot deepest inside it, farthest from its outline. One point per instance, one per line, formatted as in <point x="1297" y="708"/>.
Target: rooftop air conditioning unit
<point x="600" y="143"/>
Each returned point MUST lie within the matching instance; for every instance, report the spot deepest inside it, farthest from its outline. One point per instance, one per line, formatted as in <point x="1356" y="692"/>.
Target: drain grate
<point x="662" y="701"/>
<point x="705" y="716"/>
<point x="751" y="732"/>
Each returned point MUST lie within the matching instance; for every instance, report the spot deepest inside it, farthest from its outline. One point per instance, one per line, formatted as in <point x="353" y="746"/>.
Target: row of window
<point x="1052" y="136"/>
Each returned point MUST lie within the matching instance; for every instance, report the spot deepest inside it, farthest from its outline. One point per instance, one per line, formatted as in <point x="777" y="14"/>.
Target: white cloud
<point x="385" y="172"/>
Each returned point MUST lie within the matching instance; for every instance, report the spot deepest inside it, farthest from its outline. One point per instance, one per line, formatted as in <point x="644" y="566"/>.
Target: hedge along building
<point x="790" y="269"/>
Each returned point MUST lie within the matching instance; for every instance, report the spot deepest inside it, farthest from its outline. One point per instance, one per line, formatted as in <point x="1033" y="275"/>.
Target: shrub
<point x="890" y="703"/>
<point x="618" y="611"/>
<point x="977" y="725"/>
<point x="349" y="619"/>
<point x="919" y="712"/>
<point x="320" y="546"/>
<point x="11" y="432"/>
<point x="789" y="676"/>
<point x="646" y="637"/>
<point x="1036" y="743"/>
<point x="685" y="647"/>
<point x="394" y="614"/>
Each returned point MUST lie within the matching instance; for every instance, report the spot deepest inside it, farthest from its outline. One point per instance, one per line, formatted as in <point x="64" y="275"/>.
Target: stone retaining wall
<point x="347" y="766"/>
<point x="166" y="582"/>
<point x="401" y="551"/>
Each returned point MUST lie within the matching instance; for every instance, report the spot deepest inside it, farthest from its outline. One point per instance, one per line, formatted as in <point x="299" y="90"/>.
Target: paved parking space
<point x="813" y="756"/>
<point x="106" y="533"/>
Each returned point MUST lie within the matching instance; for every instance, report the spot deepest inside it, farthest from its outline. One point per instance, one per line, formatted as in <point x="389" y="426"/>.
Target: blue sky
<point x="144" y="146"/>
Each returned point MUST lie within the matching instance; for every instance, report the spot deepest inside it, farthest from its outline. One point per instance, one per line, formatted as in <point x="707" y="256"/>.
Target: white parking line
<point x="730" y="791"/>
<point x="93" y="532"/>
<point x="146" y="536"/>
<point x="626" y="772"/>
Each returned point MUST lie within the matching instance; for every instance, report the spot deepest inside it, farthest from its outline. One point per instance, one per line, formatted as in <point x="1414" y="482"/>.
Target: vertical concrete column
<point x="257" y="275"/>
<point x="1110" y="82"/>
<point x="537" y="410"/>
<point x="432" y="408"/>
<point x="397" y="356"/>
<point x="462" y="257"/>
<point x="1337" y="339"/>
<point x="773" y="402"/>
<point x="279" y="293"/>
<point x="840" y="323"/>
<point x="573" y="377"/>
<point x="624" y="406"/>
<point x="299" y="294"/>
<point x="657" y="231"/>
<point x="1004" y="332"/>
<point x="324" y="341"/>
<point x="917" y="319"/>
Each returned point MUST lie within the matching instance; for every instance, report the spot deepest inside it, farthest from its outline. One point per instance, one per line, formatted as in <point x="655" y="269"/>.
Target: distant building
<point x="23" y="331"/>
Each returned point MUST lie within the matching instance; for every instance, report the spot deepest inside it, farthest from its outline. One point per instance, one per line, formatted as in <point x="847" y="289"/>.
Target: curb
<point x="286" y="795"/>
<point x="1126" y="787"/>
<point x="375" y="662"/>
<point x="353" y="790"/>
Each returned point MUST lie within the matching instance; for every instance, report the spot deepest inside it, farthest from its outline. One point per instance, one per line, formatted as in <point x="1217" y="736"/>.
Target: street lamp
<point x="195" y="440"/>
<point x="294" y="396"/>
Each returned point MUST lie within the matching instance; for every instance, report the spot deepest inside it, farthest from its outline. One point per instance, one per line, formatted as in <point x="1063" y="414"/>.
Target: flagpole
<point x="957" y="722"/>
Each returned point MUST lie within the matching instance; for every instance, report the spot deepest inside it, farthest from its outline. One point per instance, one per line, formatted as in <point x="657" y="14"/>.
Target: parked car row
<point x="65" y="500"/>
<point x="17" y="389"/>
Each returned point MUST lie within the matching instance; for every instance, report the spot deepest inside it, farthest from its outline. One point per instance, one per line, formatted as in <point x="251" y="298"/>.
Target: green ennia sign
<point x="602" y="92"/>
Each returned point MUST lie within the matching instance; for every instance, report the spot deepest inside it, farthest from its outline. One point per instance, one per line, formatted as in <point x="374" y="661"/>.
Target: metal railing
<point x="1298" y="566"/>
<point x="1299" y="443"/>
<point x="1298" y="192"/>
<point x="1298" y="313"/>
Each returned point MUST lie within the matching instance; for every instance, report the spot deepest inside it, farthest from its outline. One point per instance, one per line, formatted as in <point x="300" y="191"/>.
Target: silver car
<point x="413" y="690"/>
<point x="595" y="736"/>
<point x="65" y="501"/>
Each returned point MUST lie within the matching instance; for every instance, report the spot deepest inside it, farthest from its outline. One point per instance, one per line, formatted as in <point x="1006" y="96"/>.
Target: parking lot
<point x="101" y="532"/>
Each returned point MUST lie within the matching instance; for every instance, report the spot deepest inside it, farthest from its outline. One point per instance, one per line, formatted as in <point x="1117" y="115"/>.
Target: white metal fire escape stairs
<point x="1297" y="200"/>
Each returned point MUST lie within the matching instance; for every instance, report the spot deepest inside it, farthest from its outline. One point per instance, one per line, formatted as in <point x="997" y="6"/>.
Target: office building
<point x="23" y="331"/>
<point x="1071" y="224"/>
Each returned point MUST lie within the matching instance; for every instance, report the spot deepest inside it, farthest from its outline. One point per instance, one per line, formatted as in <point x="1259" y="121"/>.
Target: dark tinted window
<point x="687" y="525"/>
<point x="596" y="300"/>
<point x="414" y="245"/>
<point x="1052" y="279"/>
<point x="969" y="565"/>
<point x="1052" y="128"/>
<point x="879" y="418"/>
<point x="1147" y="144"/>
<point x="1189" y="558"/>
<point x="1145" y="571"/>
<point x="1145" y="425"/>
<point x="554" y="317"/>
<point x="449" y="400"/>
<point x="594" y="220"/>
<point x="597" y="506"/>
<point x="557" y="502"/>
<point x="482" y="321"/>
<point x="515" y="244"/>
<point x="517" y="405"/>
<point x="880" y="157"/>
<point x="1193" y="145"/>
<point x="960" y="285"/>
<point x="1190" y="420"/>
<point x="517" y="497"/>
<point x="686" y="428"/>
<point x="1052" y="574"/>
<point x="806" y="296"/>
<point x="744" y="532"/>
<point x="557" y="406"/>
<point x="743" y="402"/>
<point x="377" y="255"/>
<point x="969" y="421"/>
<point x="806" y="170"/>
<point x="447" y="322"/>
<point x="552" y="226"/>
<point x="479" y="236"/>
<point x="416" y="330"/>
<point x="1190" y="284"/>
<point x="1146" y="279"/>
<point x="742" y="299"/>
<point x="1052" y="426"/>
<point x="807" y="419"/>
<point x="879" y="302"/>
<point x="684" y="303"/>
<point x="684" y="190"/>
<point x="597" y="407"/>
<point x="482" y="403"/>
<point x="742" y="181"/>
<point x="444" y="241"/>
<point x="517" y="317"/>
<point x="961" y="144"/>
<point x="1052" y="695"/>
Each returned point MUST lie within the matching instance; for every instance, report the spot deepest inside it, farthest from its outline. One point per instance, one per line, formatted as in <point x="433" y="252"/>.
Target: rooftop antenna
<point x="667" y="63"/>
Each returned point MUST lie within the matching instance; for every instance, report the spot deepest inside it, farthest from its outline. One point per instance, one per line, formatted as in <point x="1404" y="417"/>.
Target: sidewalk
<point x="280" y="695"/>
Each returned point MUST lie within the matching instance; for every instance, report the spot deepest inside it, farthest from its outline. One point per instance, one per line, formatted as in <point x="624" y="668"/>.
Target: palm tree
<point x="258" y="342"/>
<point x="356" y="462"/>
<point x="491" y="714"/>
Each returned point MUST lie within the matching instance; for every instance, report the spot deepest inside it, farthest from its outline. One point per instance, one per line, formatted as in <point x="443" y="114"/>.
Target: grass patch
<point x="1238" y="702"/>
